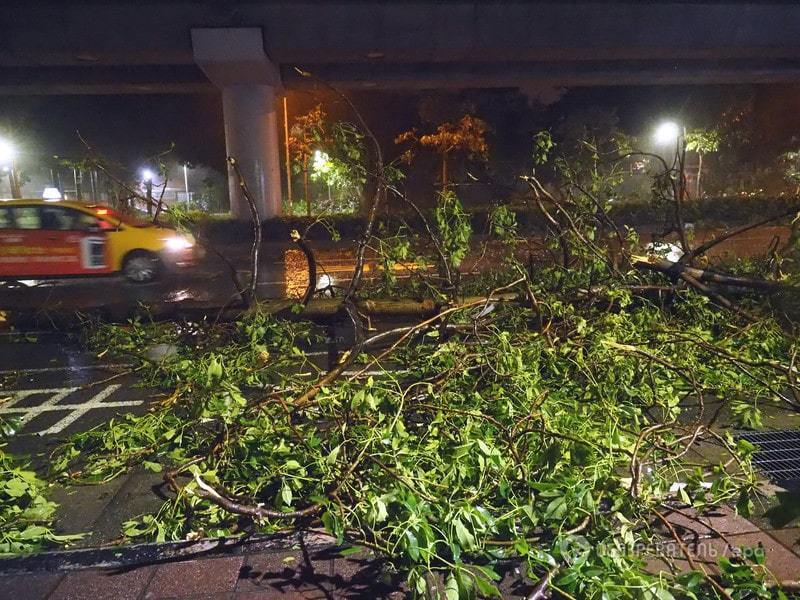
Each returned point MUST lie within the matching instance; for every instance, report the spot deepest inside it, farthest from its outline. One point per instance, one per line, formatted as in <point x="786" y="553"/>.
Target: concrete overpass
<point x="248" y="51"/>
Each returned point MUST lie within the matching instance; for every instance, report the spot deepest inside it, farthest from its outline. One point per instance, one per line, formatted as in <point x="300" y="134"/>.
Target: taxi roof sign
<point x="51" y="194"/>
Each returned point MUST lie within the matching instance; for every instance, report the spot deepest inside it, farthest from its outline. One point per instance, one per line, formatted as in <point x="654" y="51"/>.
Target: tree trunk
<point x="367" y="195"/>
<point x="699" y="174"/>
<point x="444" y="171"/>
<point x="305" y="187"/>
<point x="290" y="208"/>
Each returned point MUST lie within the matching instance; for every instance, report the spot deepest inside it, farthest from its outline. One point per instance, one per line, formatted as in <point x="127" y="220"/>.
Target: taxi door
<point x="22" y="250"/>
<point x="50" y="241"/>
<point x="75" y="242"/>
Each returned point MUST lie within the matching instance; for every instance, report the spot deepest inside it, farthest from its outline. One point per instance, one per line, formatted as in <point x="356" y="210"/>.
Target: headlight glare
<point x="177" y="244"/>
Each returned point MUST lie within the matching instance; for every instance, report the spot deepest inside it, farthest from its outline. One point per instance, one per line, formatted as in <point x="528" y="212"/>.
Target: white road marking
<point x="74" y="411"/>
<point x="103" y="367"/>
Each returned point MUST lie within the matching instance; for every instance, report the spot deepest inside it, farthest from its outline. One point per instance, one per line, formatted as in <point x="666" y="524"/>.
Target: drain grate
<point x="778" y="454"/>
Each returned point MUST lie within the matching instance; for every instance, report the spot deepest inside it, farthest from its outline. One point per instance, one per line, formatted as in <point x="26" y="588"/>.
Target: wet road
<point x="51" y="389"/>
<point x="283" y="272"/>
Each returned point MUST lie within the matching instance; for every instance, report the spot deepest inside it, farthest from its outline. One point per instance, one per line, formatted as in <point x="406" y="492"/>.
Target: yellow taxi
<point x="40" y="238"/>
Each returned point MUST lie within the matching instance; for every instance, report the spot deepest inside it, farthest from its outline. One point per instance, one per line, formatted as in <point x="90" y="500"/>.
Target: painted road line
<point x="81" y="409"/>
<point x="102" y="367"/>
<point x="75" y="411"/>
<point x="30" y="413"/>
<point x="17" y="395"/>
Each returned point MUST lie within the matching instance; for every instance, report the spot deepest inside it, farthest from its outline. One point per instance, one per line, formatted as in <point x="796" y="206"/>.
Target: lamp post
<point x="147" y="176"/>
<point x="7" y="156"/>
<point x="665" y="134"/>
<point x="186" y="181"/>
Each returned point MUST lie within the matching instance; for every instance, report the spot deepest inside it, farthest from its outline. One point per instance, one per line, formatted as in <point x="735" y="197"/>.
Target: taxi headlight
<point x="178" y="243"/>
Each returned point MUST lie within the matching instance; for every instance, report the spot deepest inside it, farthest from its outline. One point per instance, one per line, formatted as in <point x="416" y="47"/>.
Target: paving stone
<point x="102" y="585"/>
<point x="275" y="595"/>
<point x="363" y="576"/>
<point x="30" y="587"/>
<point x="722" y="519"/>
<point x="195" y="578"/>
<point x="781" y="562"/>
<point x="789" y="537"/>
<point x="659" y="566"/>
<point x="288" y="572"/>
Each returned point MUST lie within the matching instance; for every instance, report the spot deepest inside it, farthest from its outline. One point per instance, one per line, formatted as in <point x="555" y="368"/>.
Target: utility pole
<point x="288" y="158"/>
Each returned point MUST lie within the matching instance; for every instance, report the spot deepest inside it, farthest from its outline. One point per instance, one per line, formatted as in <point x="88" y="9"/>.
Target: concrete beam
<point x="54" y="32"/>
<point x="420" y="44"/>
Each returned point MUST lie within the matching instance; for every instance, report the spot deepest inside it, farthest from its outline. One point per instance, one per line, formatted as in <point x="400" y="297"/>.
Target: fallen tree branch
<point x="662" y="265"/>
<point x="255" y="249"/>
<point x="706" y="246"/>
<point x="312" y="266"/>
<point x="717" y="297"/>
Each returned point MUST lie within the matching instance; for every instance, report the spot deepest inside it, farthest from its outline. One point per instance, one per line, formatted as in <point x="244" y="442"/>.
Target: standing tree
<point x="467" y="135"/>
<point x="305" y="137"/>
<point x="341" y="166"/>
<point x="791" y="170"/>
<point x="702" y="141"/>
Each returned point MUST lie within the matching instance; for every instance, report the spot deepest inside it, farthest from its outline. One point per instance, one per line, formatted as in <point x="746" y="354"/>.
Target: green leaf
<point x="286" y="494"/>
<point x="451" y="587"/>
<point x="152" y="466"/>
<point x="485" y="587"/>
<point x="465" y="538"/>
<point x="333" y="455"/>
<point x="412" y="545"/>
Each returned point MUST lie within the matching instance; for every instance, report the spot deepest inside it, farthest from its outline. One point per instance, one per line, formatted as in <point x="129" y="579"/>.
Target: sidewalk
<point x="311" y="571"/>
<point x="307" y="573"/>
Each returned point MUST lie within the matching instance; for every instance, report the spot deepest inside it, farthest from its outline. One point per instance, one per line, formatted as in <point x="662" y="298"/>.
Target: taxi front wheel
<point x="141" y="266"/>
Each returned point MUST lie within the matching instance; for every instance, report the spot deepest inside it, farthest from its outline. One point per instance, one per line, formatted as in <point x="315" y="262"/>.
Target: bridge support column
<point x="234" y="60"/>
<point x="251" y="137"/>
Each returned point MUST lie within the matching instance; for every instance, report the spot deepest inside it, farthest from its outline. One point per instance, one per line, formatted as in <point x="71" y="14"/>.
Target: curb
<point x="123" y="557"/>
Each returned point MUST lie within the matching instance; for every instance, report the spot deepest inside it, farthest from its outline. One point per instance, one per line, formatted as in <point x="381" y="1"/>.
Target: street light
<point x="147" y="176"/>
<point x="7" y="152"/>
<point x="667" y="133"/>
<point x="7" y="155"/>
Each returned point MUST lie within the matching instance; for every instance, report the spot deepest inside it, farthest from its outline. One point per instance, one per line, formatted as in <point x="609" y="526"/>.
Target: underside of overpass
<point x="250" y="51"/>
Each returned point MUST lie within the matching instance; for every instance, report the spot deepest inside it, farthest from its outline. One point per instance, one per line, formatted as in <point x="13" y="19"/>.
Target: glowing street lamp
<point x="147" y="175"/>
<point x="7" y="152"/>
<point x="322" y="166"/>
<point x="7" y="155"/>
<point x="322" y="162"/>
<point x="667" y="133"/>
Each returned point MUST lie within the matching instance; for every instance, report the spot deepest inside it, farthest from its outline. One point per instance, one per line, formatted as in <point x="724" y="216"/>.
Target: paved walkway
<point x="324" y="574"/>
<point x="287" y="575"/>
